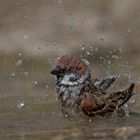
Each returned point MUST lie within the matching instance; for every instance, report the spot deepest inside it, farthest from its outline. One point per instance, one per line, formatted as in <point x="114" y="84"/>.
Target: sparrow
<point x="78" y="92"/>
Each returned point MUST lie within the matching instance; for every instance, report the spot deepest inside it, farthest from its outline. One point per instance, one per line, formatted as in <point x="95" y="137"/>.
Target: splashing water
<point x="20" y="104"/>
<point x="18" y="63"/>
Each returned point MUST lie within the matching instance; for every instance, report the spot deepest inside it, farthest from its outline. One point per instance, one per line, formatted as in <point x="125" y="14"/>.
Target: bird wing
<point x="97" y="104"/>
<point x="105" y="83"/>
<point x="91" y="105"/>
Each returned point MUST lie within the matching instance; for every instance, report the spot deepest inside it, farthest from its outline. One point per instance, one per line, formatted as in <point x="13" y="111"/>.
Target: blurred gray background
<point x="41" y="27"/>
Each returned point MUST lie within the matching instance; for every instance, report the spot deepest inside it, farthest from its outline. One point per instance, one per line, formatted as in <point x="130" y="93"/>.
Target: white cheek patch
<point x="66" y="80"/>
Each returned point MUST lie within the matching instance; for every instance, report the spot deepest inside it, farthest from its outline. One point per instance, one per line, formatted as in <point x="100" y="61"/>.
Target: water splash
<point x="18" y="63"/>
<point x="86" y="49"/>
<point x="35" y="82"/>
<point x="20" y="104"/>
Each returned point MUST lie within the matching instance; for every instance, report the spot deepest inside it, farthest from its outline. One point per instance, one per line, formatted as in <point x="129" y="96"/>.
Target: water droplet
<point x="111" y="52"/>
<point x="96" y="49"/>
<point x="13" y="74"/>
<point x="46" y="86"/>
<point x="36" y="82"/>
<point x="17" y="3"/>
<point x="109" y="62"/>
<point x="19" y="54"/>
<point x="59" y="1"/>
<point x="87" y="52"/>
<point x="132" y="101"/>
<point x="28" y="107"/>
<point x="130" y="67"/>
<point x="49" y="61"/>
<point x="58" y="57"/>
<point x="115" y="57"/>
<point x="26" y="16"/>
<point x="66" y="115"/>
<point x="18" y="63"/>
<point x="111" y="23"/>
<point x="121" y="50"/>
<point x="46" y="95"/>
<point x="100" y="57"/>
<point x="26" y="73"/>
<point x="54" y="43"/>
<point x="82" y="47"/>
<point x="20" y="104"/>
<point x="129" y="30"/>
<point x="90" y="120"/>
<point x="25" y="36"/>
<point x="128" y="75"/>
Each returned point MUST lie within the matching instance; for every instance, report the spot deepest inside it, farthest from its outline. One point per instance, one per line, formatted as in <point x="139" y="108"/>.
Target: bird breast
<point x="69" y="95"/>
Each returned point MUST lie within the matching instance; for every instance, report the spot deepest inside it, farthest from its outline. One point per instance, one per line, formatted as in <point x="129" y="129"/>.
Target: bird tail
<point x="123" y="96"/>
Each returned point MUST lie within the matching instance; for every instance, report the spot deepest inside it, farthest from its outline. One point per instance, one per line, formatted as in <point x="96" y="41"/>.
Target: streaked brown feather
<point x="95" y="103"/>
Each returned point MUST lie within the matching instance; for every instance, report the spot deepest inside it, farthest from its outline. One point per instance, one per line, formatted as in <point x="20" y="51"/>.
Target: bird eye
<point x="73" y="79"/>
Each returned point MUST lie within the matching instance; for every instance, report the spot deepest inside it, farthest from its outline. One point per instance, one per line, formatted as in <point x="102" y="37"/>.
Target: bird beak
<point x="56" y="71"/>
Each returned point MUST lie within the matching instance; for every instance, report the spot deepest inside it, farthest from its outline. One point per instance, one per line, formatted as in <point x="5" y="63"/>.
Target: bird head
<point x="71" y="71"/>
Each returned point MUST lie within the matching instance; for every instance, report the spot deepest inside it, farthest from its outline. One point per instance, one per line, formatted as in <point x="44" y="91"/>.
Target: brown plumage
<point x="95" y="104"/>
<point x="67" y="62"/>
<point x="77" y="91"/>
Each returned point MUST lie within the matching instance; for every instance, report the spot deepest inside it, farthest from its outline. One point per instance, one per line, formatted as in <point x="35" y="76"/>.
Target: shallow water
<point x="40" y="119"/>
